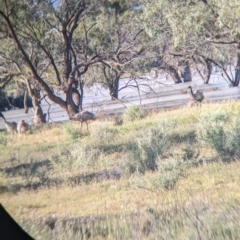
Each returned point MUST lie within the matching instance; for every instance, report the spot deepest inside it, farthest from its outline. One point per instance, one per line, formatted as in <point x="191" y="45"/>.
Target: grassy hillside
<point x="166" y="175"/>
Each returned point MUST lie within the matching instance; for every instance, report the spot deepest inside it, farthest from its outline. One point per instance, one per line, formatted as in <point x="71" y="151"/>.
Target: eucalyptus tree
<point x="227" y="35"/>
<point x="186" y="20"/>
<point x="205" y="33"/>
<point x="160" y="42"/>
<point x="119" y="30"/>
<point x="40" y="46"/>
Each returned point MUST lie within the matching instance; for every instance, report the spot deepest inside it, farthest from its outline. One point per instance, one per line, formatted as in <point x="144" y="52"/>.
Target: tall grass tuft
<point x="76" y="158"/>
<point x="146" y="149"/>
<point x="133" y="113"/>
<point x="221" y="132"/>
<point x="169" y="172"/>
<point x="103" y="134"/>
<point x="71" y="130"/>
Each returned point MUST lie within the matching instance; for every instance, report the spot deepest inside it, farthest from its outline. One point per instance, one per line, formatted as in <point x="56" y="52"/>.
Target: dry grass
<point x="215" y="182"/>
<point x="211" y="185"/>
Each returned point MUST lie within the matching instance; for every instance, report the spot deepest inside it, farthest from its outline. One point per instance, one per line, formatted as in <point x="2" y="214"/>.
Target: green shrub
<point x="169" y="173"/>
<point x="220" y="132"/>
<point x="103" y="134"/>
<point x="71" y="130"/>
<point x="190" y="151"/>
<point x="133" y="113"/>
<point x="118" y="120"/>
<point x="77" y="158"/>
<point x="189" y="136"/>
<point x="30" y="171"/>
<point x="146" y="149"/>
<point x="85" y="156"/>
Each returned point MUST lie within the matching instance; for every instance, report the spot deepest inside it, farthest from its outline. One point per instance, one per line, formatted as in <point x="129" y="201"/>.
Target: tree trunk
<point x="208" y="71"/>
<point x="25" y="102"/>
<point x="187" y="76"/>
<point x="77" y="98"/>
<point x="72" y="109"/>
<point x="237" y="69"/>
<point x="172" y="72"/>
<point x="39" y="117"/>
<point x="113" y="88"/>
<point x="81" y="84"/>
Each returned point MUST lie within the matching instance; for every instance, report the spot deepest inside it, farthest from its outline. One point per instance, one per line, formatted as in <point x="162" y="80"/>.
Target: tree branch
<point x="25" y="57"/>
<point x="7" y="78"/>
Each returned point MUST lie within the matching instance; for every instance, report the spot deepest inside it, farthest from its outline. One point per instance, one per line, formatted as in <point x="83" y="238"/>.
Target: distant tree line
<point x="52" y="46"/>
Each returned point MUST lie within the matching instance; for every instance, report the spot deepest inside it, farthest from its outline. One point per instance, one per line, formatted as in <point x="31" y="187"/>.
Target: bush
<point x="71" y="130"/>
<point x="190" y="151"/>
<point x="220" y="132"/>
<point x="133" y="113"/>
<point x="146" y="149"/>
<point x="77" y="158"/>
<point x="118" y="120"/>
<point x="169" y="173"/>
<point x="103" y="134"/>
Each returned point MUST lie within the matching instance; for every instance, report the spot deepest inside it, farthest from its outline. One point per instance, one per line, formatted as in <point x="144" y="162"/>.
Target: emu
<point x="83" y="116"/>
<point x="11" y="126"/>
<point x="197" y="95"/>
<point x="22" y="126"/>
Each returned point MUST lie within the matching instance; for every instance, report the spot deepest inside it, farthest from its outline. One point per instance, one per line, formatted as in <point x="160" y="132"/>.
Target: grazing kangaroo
<point x="11" y="126"/>
<point x="22" y="126"/>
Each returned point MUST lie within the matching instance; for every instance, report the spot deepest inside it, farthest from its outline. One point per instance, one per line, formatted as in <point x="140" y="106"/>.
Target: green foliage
<point x="189" y="136"/>
<point x="224" y="230"/>
<point x="221" y="132"/>
<point x="103" y="134"/>
<point x="33" y="172"/>
<point x="133" y="113"/>
<point x="169" y="172"/>
<point x="190" y="152"/>
<point x="71" y="130"/>
<point x="118" y="121"/>
<point x="167" y="203"/>
<point x="146" y="150"/>
<point x="77" y="158"/>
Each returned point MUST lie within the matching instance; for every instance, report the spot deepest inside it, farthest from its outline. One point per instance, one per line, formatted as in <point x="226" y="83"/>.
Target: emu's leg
<point x="199" y="104"/>
<point x="87" y="124"/>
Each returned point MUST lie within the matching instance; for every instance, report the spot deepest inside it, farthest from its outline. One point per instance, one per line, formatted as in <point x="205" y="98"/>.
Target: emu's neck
<point x="191" y="91"/>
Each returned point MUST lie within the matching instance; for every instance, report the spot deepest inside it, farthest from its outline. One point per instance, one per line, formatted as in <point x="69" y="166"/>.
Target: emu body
<point x="83" y="116"/>
<point x="197" y="96"/>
